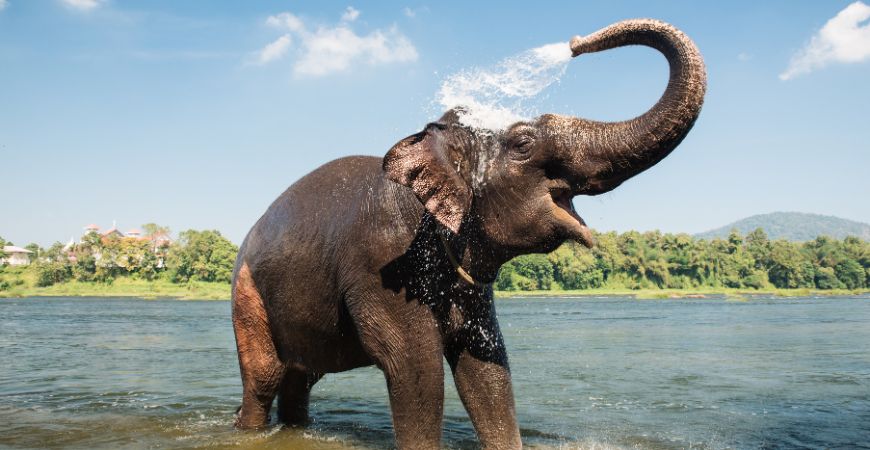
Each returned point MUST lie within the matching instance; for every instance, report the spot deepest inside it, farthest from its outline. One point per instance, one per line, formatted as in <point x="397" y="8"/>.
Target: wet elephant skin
<point x="351" y="266"/>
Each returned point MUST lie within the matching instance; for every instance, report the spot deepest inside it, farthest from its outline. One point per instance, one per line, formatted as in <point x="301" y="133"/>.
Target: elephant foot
<point x="293" y="397"/>
<point x="252" y="416"/>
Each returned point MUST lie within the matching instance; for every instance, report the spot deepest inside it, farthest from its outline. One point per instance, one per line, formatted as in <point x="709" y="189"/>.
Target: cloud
<point x="331" y="49"/>
<point x="350" y="14"/>
<point x="82" y="5"/>
<point x="3" y="4"/>
<point x="287" y="21"/>
<point x="843" y="39"/>
<point x="743" y="56"/>
<point x="274" y="50"/>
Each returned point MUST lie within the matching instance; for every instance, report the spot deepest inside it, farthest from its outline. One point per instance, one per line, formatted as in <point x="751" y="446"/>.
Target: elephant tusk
<point x="459" y="270"/>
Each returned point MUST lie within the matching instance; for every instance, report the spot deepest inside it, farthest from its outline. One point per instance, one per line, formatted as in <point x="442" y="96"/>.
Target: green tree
<point x="52" y="272"/>
<point x="55" y="253"/>
<point x="788" y="267"/>
<point x="528" y="272"/>
<point x="685" y="262"/>
<point x="505" y="279"/>
<point x="825" y="278"/>
<point x="85" y="268"/>
<point x="576" y="268"/>
<point x="850" y="273"/>
<point x="35" y="251"/>
<point x="92" y="240"/>
<point x="202" y="256"/>
<point x="152" y="229"/>
<point x="758" y="245"/>
<point x="736" y="264"/>
<point x="509" y="280"/>
<point x="607" y="255"/>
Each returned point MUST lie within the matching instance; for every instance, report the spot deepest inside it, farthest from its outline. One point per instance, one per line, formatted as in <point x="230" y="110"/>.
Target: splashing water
<point x="493" y="98"/>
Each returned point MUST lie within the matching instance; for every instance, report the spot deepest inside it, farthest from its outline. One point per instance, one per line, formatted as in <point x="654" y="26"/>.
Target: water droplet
<point x="498" y="96"/>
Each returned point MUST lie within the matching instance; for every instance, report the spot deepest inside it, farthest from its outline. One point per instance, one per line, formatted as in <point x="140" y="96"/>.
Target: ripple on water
<point x="713" y="374"/>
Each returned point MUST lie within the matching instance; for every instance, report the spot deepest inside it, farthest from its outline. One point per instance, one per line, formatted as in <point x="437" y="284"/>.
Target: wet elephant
<point x="389" y="261"/>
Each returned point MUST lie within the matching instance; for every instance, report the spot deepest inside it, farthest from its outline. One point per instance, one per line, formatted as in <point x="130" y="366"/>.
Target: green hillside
<point x="794" y="226"/>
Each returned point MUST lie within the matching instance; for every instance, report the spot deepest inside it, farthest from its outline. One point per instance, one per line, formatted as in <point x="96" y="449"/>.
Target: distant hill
<point x="794" y="226"/>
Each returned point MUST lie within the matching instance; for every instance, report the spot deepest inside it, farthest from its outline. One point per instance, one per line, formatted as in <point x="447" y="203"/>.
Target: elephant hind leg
<point x="261" y="369"/>
<point x="293" y="396"/>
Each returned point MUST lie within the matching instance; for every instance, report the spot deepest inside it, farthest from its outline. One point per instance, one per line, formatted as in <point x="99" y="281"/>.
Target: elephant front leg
<point x="416" y="385"/>
<point x="483" y="380"/>
<point x="404" y="340"/>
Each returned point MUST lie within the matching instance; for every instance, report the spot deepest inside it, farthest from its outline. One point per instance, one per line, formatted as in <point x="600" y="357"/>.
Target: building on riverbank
<point x="95" y="241"/>
<point x="16" y="256"/>
<point x="159" y="240"/>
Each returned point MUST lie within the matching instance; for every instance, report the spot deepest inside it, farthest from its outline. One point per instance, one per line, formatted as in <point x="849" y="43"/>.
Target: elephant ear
<point x="422" y="162"/>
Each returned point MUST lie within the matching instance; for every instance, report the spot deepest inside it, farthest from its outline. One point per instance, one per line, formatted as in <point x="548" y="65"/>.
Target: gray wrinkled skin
<point x="346" y="268"/>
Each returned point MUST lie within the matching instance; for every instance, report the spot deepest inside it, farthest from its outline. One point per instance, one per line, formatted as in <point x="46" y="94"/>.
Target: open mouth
<point x="565" y="211"/>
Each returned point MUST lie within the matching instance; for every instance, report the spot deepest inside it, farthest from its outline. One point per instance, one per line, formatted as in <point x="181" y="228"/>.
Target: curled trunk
<point x="612" y="152"/>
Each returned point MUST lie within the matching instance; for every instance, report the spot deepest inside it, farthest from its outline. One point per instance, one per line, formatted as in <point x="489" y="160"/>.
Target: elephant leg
<point x="416" y="386"/>
<point x="293" y="396"/>
<point x="403" y="339"/>
<point x="483" y="381"/>
<point x="261" y="369"/>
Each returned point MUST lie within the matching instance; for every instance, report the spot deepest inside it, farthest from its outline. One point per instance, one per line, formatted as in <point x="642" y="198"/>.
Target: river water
<point x="588" y="373"/>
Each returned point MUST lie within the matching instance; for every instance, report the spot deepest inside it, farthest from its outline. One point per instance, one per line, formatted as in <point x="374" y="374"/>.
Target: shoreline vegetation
<point x="649" y="265"/>
<point x="144" y="289"/>
<point x="150" y="290"/>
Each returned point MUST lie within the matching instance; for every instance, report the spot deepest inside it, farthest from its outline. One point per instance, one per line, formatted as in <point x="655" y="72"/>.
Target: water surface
<point x="588" y="373"/>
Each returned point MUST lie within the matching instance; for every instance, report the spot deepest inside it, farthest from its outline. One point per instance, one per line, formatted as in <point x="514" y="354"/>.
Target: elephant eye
<point x="521" y="147"/>
<point x="523" y="142"/>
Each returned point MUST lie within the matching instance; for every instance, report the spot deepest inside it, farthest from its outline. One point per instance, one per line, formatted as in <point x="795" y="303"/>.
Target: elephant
<point x="390" y="261"/>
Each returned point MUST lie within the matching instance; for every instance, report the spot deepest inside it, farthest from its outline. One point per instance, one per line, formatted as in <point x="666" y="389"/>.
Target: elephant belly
<point x="305" y="348"/>
<point x="312" y="331"/>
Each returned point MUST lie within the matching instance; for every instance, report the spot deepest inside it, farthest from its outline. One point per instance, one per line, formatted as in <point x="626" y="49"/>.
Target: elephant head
<point x="511" y="190"/>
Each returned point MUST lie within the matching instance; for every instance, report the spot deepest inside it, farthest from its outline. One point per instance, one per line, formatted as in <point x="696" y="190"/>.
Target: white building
<point x="16" y="256"/>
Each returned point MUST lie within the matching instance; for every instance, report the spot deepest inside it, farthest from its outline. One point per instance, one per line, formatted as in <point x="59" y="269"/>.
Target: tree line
<point x="652" y="260"/>
<point x="630" y="260"/>
<point x="195" y="256"/>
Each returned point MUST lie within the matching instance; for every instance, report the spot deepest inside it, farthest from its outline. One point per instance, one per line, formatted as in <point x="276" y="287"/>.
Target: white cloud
<point x="83" y="5"/>
<point x="335" y="49"/>
<point x="743" y="56"/>
<point x="331" y="49"/>
<point x="3" y="4"/>
<point x="286" y="20"/>
<point x="275" y="50"/>
<point x="350" y="14"/>
<point x="843" y="39"/>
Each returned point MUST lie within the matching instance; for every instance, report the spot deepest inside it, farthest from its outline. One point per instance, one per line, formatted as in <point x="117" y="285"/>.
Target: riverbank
<point x="21" y="282"/>
<point x="128" y="287"/>
<point x="125" y="287"/>
<point x="683" y="293"/>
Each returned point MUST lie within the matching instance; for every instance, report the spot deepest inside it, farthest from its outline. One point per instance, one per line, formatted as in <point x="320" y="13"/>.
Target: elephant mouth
<point x="565" y="212"/>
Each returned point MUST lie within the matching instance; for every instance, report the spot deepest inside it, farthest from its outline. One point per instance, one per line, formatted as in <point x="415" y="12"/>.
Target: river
<point x="588" y="373"/>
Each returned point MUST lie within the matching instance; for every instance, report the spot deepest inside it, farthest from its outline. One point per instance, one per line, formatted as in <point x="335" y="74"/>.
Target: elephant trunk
<point x="611" y="152"/>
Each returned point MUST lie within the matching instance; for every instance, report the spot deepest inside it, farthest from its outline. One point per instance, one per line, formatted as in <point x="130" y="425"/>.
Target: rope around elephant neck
<point x="459" y="270"/>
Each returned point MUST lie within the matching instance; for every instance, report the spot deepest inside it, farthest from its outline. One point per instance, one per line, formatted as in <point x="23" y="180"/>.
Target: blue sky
<point x="197" y="114"/>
